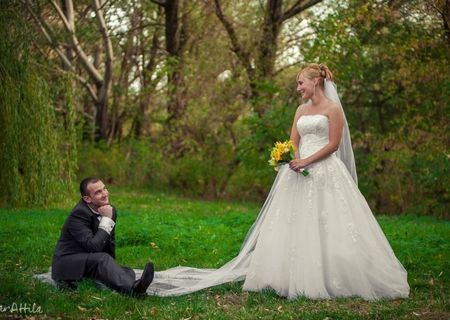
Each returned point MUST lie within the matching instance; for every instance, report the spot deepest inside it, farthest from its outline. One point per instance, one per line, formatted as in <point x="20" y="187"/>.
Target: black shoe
<point x="140" y="286"/>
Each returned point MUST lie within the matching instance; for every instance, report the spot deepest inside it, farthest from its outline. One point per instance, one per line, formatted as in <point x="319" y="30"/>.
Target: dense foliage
<point x="37" y="155"/>
<point x="194" y="104"/>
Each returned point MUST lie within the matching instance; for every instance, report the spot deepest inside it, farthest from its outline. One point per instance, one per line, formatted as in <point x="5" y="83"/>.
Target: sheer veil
<point x="182" y="280"/>
<point x="345" y="151"/>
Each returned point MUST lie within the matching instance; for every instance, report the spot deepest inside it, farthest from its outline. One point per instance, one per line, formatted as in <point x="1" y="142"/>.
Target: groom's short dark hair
<point x="84" y="183"/>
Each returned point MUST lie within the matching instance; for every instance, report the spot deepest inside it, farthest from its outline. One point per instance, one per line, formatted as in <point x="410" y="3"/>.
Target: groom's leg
<point x="102" y="267"/>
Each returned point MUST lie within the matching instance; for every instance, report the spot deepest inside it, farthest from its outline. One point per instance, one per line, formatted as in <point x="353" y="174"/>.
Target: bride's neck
<point x="318" y="98"/>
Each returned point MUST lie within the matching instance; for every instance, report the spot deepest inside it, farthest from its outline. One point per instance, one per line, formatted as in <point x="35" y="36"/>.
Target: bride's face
<point x="305" y="87"/>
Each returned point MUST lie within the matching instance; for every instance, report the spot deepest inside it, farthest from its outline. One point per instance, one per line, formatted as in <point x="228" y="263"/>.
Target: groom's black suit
<point x="85" y="250"/>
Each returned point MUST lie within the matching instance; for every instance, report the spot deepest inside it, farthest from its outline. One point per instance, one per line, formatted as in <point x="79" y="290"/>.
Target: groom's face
<point x="98" y="194"/>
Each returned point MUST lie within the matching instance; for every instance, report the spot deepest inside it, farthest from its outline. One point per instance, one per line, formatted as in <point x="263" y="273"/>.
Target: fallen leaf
<point x="153" y="311"/>
<point x="153" y="245"/>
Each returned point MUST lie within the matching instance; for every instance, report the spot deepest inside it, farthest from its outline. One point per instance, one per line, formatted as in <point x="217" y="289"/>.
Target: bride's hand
<point x="297" y="164"/>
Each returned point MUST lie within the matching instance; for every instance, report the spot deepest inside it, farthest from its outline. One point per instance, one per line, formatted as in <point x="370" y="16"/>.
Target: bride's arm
<point x="336" y="122"/>
<point x="295" y="136"/>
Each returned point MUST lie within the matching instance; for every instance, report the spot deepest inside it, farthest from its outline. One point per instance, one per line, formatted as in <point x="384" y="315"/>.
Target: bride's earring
<point x="314" y="91"/>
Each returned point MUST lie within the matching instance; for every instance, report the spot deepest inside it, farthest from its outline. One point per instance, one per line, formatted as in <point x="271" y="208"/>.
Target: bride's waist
<point x="307" y="149"/>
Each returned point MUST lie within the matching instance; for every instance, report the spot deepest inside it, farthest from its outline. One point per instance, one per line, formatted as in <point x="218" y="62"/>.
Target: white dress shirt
<point x="106" y="223"/>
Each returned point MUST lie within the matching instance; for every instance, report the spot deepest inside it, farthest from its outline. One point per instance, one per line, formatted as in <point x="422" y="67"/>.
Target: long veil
<point x="183" y="280"/>
<point x="345" y="151"/>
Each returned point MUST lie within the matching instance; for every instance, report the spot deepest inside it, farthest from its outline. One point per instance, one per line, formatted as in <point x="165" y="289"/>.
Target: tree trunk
<point x="176" y="35"/>
<point x="267" y="52"/>
<point x="148" y="85"/>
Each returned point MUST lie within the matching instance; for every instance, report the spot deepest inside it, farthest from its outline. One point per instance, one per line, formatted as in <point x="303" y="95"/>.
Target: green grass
<point x="171" y="231"/>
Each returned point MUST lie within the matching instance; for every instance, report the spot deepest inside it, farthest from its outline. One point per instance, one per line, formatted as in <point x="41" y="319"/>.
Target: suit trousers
<point x="102" y="267"/>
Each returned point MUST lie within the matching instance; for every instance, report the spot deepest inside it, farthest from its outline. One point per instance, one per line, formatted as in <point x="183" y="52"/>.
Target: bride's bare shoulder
<point x="334" y="110"/>
<point x="332" y="107"/>
<point x="301" y="108"/>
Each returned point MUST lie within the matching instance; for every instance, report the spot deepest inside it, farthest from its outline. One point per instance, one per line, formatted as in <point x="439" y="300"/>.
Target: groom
<point x="86" y="247"/>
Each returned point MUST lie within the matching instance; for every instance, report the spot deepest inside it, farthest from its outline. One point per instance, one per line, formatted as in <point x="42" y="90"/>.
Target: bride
<point x="315" y="236"/>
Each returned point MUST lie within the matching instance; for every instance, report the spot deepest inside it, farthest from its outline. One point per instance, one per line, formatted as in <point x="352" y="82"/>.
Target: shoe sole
<point x="148" y="268"/>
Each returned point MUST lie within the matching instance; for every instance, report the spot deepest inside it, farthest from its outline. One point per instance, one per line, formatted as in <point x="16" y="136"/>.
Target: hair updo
<point x="315" y="70"/>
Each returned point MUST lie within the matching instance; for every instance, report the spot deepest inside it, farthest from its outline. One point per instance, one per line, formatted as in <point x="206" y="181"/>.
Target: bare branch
<point x="298" y="7"/>
<point x="63" y="17"/>
<point x="238" y="49"/>
<point x="280" y="70"/>
<point x="106" y="42"/>
<point x="92" y="71"/>
<point x="434" y="6"/>
<point x="42" y="25"/>
<point x="69" y="13"/>
<point x="159" y="2"/>
<point x="87" y="85"/>
<point x="81" y="79"/>
<point x="61" y="54"/>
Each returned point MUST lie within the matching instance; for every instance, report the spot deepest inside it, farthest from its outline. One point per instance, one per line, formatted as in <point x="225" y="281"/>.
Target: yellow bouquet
<point x="283" y="152"/>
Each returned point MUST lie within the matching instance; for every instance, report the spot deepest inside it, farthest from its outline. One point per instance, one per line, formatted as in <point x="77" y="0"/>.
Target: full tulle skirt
<point x="321" y="240"/>
<point x="315" y="236"/>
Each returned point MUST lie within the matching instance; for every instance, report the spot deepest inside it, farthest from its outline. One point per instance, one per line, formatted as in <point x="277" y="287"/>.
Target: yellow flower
<point x="277" y="155"/>
<point x="279" y="152"/>
<point x="273" y="162"/>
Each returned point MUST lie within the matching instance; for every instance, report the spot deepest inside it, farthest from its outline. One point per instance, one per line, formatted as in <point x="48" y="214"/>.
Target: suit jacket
<point x="80" y="236"/>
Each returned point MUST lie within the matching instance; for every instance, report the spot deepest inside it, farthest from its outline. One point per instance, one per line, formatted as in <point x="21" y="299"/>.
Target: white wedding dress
<point x="314" y="237"/>
<point x="321" y="240"/>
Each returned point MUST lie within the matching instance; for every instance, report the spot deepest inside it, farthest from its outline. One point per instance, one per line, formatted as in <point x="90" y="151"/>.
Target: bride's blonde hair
<point x="315" y="70"/>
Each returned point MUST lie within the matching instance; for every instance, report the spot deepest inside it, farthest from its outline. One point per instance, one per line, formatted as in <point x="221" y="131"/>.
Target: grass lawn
<point x="175" y="231"/>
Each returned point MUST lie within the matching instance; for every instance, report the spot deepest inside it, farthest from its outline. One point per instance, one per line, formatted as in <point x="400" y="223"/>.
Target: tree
<point x="37" y="150"/>
<point x="260" y="66"/>
<point x="99" y="75"/>
<point x="442" y="7"/>
<point x="138" y="67"/>
<point x="176" y="38"/>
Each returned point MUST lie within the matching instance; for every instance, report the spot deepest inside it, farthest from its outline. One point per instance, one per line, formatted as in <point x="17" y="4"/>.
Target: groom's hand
<point x="106" y="211"/>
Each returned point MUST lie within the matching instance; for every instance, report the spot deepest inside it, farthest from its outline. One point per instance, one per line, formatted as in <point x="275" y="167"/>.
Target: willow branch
<point x="42" y="26"/>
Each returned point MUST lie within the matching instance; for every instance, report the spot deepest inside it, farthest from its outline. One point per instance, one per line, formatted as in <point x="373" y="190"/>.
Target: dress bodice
<point x="313" y="130"/>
